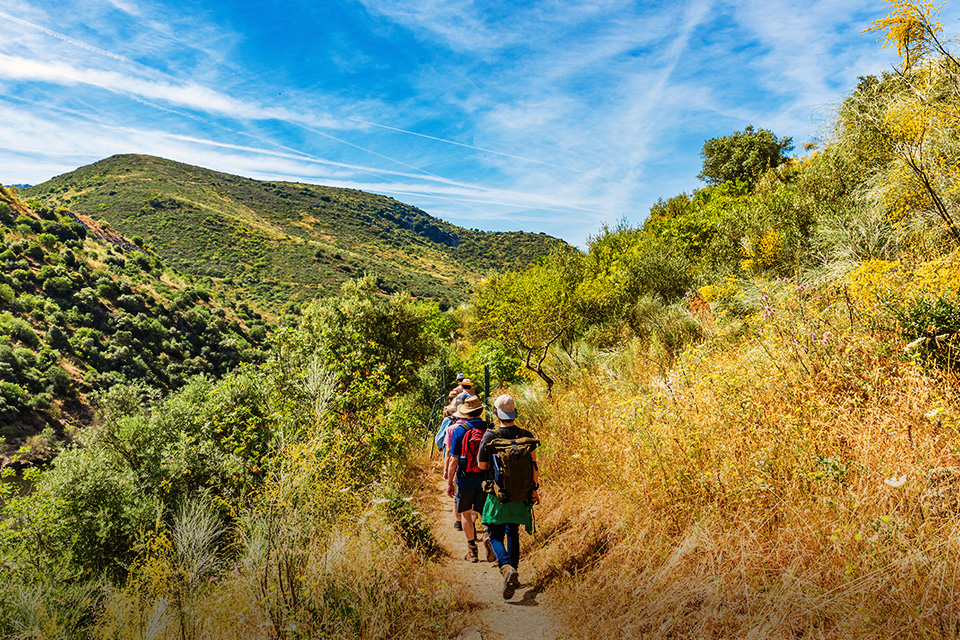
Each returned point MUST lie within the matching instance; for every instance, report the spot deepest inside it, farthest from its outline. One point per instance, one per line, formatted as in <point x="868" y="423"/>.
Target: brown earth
<point x="526" y="616"/>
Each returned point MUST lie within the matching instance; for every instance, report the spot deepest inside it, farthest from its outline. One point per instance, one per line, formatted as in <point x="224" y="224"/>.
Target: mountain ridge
<point x="285" y="242"/>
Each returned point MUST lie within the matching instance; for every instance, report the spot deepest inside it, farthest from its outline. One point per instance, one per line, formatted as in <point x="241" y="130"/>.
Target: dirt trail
<point x="526" y="616"/>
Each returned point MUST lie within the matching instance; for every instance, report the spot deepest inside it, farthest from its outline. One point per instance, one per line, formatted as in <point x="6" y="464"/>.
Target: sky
<point x="544" y="115"/>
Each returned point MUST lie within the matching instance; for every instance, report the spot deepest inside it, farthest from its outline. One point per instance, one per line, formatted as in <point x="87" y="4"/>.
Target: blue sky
<point x="545" y="115"/>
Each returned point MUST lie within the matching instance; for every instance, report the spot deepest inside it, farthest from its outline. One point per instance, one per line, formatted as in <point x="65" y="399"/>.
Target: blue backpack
<point x="442" y="433"/>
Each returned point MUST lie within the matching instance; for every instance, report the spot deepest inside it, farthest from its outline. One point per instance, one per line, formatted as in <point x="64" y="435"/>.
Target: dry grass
<point x="752" y="492"/>
<point x="318" y="557"/>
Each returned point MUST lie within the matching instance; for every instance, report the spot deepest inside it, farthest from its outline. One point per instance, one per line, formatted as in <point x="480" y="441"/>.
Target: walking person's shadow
<point x="529" y="598"/>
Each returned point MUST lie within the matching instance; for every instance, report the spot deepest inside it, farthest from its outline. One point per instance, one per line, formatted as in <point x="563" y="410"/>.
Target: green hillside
<point x="83" y="309"/>
<point x="279" y="242"/>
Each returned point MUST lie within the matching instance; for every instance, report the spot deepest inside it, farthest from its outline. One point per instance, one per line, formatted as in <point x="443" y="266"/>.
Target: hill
<point x="279" y="242"/>
<point x="82" y="309"/>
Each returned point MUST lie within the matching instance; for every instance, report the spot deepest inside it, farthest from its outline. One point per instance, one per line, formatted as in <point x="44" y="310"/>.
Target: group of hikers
<point x="491" y="472"/>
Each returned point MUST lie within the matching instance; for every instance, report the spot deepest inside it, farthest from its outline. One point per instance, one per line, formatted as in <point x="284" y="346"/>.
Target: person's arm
<point x="535" y="496"/>
<point x="452" y="475"/>
<point x="456" y="444"/>
<point x="483" y="455"/>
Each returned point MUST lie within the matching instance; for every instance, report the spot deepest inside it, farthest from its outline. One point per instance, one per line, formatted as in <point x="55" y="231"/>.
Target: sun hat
<point x="506" y="409"/>
<point x="471" y="408"/>
<point x="466" y="383"/>
<point x="452" y="394"/>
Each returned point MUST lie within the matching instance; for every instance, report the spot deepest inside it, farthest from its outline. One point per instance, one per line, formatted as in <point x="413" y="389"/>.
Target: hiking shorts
<point x="468" y="499"/>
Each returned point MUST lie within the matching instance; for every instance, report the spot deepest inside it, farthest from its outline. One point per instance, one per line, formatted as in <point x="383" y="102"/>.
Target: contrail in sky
<point x="462" y="144"/>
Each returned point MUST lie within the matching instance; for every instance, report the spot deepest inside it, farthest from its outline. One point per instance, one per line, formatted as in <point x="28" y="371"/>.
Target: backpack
<point x="471" y="446"/>
<point x="441" y="433"/>
<point x="513" y="467"/>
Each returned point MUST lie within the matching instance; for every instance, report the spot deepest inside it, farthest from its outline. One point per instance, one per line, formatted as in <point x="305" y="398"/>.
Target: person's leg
<point x="458" y="525"/>
<point x="511" y="579"/>
<point x="469" y="518"/>
<point x="496" y="532"/>
<point x="465" y="507"/>
<point x="470" y="532"/>
<point x="513" y="543"/>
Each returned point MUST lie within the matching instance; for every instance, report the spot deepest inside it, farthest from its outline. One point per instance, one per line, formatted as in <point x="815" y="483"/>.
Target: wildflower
<point x="930" y="415"/>
<point x="896" y="482"/>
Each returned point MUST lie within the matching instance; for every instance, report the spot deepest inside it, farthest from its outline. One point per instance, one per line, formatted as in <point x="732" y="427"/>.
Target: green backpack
<point x="513" y="466"/>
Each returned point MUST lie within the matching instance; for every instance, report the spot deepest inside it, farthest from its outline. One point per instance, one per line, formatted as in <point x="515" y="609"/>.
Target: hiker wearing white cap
<point x="457" y="390"/>
<point x="511" y="452"/>
<point x="465" y="471"/>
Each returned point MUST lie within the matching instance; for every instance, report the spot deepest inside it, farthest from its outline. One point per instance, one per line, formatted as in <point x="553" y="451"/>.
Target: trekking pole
<point x="486" y="389"/>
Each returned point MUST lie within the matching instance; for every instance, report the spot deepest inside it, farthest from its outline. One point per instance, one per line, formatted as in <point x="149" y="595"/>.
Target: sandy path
<point x="526" y="616"/>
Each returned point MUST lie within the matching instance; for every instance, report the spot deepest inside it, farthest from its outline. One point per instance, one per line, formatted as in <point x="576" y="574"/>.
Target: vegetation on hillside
<point x="283" y="243"/>
<point x="753" y="425"/>
<point x="270" y="503"/>
<point x="80" y="314"/>
<point x="748" y="405"/>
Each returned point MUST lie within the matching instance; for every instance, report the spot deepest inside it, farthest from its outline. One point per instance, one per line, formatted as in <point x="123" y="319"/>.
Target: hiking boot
<point x="471" y="553"/>
<point x="511" y="581"/>
<point x="458" y="525"/>
<point x="491" y="556"/>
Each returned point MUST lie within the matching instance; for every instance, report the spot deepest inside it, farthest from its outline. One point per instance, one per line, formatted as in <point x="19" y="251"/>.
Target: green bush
<point x="58" y="286"/>
<point x="47" y="240"/>
<point x="18" y="329"/>
<point x="933" y="328"/>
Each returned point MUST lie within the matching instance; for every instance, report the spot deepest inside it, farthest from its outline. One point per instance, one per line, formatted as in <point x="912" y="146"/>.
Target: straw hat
<point x="471" y="408"/>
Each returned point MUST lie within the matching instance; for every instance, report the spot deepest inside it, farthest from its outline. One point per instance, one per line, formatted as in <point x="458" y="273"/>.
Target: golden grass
<point x="317" y="557"/>
<point x="800" y="482"/>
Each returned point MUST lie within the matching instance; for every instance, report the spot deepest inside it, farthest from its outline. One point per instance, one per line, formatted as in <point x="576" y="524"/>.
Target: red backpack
<point x="471" y="446"/>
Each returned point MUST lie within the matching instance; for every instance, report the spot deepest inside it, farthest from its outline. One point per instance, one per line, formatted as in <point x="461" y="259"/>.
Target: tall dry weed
<point x="318" y="555"/>
<point x="801" y="482"/>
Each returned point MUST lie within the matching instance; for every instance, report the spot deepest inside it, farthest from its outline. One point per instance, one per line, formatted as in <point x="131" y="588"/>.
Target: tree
<point x="531" y="311"/>
<point x="744" y="155"/>
<point x="913" y="29"/>
<point x="919" y="125"/>
<point x="373" y="345"/>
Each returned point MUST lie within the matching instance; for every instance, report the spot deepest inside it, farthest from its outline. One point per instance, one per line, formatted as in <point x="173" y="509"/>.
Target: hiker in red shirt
<point x="465" y="471"/>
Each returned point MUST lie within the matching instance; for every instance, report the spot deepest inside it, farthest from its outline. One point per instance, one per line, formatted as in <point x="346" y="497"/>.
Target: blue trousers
<point x="509" y="554"/>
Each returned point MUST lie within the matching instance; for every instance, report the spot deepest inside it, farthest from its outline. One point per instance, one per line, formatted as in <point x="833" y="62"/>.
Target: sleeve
<point x="483" y="454"/>
<point x="448" y="436"/>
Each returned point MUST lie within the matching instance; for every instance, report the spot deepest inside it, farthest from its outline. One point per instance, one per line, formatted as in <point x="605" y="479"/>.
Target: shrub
<point x="47" y="240"/>
<point x="18" y="330"/>
<point x="58" y="286"/>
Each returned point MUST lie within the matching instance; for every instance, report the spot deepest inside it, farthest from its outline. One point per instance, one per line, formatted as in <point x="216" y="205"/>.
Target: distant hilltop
<point x="280" y="244"/>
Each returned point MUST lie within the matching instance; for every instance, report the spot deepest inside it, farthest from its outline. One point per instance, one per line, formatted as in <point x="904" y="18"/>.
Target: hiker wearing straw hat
<point x="465" y="477"/>
<point x="453" y="423"/>
<point x="466" y="386"/>
<point x="511" y="452"/>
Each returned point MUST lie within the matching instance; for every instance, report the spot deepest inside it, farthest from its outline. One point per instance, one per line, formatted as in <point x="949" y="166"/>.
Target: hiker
<point x="503" y="518"/>
<point x="441" y="436"/>
<point x="467" y="389"/>
<point x="457" y="390"/>
<point x="447" y="444"/>
<point x="465" y="472"/>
